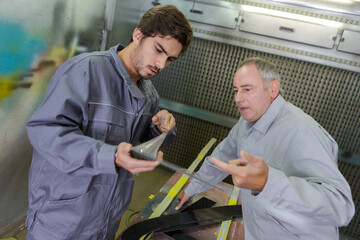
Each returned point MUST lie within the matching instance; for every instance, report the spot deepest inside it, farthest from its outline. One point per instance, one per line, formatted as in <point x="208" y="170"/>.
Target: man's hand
<point x="184" y="199"/>
<point x="164" y="121"/>
<point x="248" y="172"/>
<point x="123" y="159"/>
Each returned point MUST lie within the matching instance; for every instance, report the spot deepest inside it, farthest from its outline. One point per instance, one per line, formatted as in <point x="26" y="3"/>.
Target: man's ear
<point x="274" y="88"/>
<point x="137" y="35"/>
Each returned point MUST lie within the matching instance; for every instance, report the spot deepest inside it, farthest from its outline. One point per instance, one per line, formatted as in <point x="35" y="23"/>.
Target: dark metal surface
<point x="208" y="232"/>
<point x="183" y="220"/>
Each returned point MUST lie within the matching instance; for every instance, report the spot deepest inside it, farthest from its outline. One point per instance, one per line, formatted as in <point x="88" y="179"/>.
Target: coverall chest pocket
<point x="106" y="123"/>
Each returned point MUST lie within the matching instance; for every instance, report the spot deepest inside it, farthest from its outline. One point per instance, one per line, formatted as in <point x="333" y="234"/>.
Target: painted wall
<point x="35" y="38"/>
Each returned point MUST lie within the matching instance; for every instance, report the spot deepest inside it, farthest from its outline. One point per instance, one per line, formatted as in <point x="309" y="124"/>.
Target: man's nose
<point x="239" y="97"/>
<point x="161" y="62"/>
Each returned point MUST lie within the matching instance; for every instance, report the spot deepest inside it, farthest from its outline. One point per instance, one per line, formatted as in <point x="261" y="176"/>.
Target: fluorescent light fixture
<point x="341" y="1"/>
<point x="292" y="16"/>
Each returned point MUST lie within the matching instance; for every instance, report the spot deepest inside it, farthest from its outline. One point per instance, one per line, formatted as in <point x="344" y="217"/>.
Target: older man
<point x="284" y="162"/>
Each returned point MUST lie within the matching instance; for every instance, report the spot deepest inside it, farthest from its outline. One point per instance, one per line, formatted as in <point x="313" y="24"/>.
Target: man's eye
<point x="158" y="50"/>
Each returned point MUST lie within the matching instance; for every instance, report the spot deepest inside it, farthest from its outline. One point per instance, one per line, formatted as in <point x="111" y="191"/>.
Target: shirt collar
<point x="135" y="91"/>
<point x="264" y="123"/>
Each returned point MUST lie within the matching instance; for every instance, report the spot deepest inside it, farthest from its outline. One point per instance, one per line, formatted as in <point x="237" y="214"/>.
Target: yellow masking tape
<point x="177" y="187"/>
<point x="173" y="192"/>
<point x="182" y="181"/>
<point x="151" y="197"/>
<point x="232" y="202"/>
<point x="225" y="225"/>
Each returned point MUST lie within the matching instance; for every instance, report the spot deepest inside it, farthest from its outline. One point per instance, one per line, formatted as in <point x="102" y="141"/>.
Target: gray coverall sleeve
<point x="56" y="129"/>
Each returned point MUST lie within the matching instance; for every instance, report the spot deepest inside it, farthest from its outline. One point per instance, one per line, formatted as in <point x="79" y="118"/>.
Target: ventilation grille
<point x="192" y="135"/>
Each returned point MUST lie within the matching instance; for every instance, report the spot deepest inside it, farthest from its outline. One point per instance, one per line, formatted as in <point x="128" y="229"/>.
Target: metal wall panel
<point x="214" y="15"/>
<point x="302" y="32"/>
<point x="350" y="41"/>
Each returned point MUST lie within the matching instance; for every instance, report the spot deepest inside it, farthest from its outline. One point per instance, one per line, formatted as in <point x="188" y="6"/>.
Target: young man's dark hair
<point x="167" y="20"/>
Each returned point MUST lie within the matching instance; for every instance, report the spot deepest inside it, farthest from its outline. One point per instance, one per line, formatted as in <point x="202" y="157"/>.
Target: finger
<point x="161" y="120"/>
<point x="156" y="120"/>
<point x="184" y="199"/>
<point x="238" y="162"/>
<point x="244" y="155"/>
<point x="160" y="156"/>
<point x="127" y="147"/>
<point x="166" y="118"/>
<point x="168" y="121"/>
<point x="222" y="165"/>
<point x="172" y="122"/>
<point x="124" y="148"/>
<point x="134" y="165"/>
<point x="142" y="169"/>
<point x="130" y="162"/>
<point x="138" y="163"/>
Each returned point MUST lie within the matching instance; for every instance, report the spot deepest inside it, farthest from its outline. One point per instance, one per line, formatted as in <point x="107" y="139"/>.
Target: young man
<point x="97" y="106"/>
<point x="284" y="162"/>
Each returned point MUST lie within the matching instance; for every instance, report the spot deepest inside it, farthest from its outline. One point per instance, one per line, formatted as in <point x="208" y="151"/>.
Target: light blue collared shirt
<point x="306" y="196"/>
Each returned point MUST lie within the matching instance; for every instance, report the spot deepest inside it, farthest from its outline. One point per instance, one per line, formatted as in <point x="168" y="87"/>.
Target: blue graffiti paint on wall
<point x="17" y="48"/>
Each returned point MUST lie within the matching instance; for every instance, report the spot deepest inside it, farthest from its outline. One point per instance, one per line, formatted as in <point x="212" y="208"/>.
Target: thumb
<point x="127" y="147"/>
<point x="124" y="147"/>
<point x="155" y="118"/>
